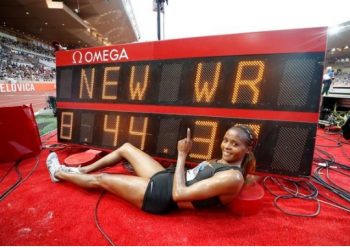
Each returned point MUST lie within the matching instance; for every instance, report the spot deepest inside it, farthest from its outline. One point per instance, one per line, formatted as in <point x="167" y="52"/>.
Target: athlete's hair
<point x="249" y="161"/>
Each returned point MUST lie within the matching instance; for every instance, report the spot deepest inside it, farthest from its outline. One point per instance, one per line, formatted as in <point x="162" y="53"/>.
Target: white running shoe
<point x="70" y="170"/>
<point x="53" y="165"/>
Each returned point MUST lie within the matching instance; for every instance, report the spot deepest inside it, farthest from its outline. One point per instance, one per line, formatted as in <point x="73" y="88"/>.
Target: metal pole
<point x="158" y="18"/>
<point x="163" y="23"/>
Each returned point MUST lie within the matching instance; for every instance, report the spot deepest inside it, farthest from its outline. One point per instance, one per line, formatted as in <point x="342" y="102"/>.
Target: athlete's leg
<point x="143" y="164"/>
<point x="129" y="188"/>
<point x="327" y="89"/>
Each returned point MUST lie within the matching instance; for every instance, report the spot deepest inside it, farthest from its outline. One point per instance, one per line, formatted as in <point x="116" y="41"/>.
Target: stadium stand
<point x="24" y="59"/>
<point x="342" y="79"/>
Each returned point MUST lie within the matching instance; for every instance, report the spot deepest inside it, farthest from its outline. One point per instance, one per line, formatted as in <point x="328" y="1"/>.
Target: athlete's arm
<point x="222" y="183"/>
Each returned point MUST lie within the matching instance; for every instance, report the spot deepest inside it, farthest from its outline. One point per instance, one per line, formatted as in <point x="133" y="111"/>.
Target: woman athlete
<point x="157" y="190"/>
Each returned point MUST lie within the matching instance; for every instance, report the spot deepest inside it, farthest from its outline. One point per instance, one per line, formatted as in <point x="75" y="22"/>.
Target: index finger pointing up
<point x="188" y="134"/>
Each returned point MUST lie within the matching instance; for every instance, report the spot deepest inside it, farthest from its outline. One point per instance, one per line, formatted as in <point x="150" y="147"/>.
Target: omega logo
<point x="105" y="55"/>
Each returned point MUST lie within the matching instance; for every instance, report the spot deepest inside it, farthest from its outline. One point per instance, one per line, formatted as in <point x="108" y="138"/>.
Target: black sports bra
<point x="205" y="172"/>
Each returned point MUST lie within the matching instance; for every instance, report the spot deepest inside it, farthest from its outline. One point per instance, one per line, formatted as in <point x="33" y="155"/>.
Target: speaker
<point x="346" y="129"/>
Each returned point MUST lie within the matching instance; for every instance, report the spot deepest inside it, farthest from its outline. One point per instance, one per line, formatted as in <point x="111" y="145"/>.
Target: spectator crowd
<point x="24" y="60"/>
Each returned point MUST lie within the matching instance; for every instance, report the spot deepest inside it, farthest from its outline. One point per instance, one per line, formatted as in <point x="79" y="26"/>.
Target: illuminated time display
<point x="277" y="82"/>
<point x="150" y="103"/>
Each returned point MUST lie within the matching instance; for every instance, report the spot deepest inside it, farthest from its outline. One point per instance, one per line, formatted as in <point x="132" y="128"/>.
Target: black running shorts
<point x="159" y="193"/>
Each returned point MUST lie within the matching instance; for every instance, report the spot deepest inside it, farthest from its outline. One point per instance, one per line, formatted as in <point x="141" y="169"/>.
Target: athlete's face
<point x="233" y="146"/>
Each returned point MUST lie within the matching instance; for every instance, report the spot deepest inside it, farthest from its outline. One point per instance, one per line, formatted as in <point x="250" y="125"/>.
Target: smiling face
<point x="234" y="146"/>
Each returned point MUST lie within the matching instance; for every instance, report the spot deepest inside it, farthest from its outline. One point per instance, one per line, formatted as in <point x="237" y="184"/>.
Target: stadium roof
<point x="73" y="23"/>
<point x="338" y="44"/>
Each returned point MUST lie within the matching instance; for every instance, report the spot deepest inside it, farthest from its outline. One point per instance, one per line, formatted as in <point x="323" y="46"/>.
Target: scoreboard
<point x="149" y="93"/>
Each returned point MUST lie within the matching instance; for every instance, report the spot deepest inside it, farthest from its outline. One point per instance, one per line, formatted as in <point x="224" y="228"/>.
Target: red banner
<point x="271" y="42"/>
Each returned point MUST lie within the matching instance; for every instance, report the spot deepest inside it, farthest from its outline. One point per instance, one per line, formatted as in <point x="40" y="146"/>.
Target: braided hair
<point x="249" y="161"/>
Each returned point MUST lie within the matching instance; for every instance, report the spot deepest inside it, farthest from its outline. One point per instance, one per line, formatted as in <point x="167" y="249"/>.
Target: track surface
<point x="37" y="99"/>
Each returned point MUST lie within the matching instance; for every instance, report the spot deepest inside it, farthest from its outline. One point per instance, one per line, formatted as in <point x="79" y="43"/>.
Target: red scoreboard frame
<point x="149" y="93"/>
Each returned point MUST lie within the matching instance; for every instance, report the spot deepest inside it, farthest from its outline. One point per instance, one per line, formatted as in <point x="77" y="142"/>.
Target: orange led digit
<point x="139" y="133"/>
<point x="203" y="89"/>
<point x="107" y="82"/>
<point x="255" y="127"/>
<point x="137" y="89"/>
<point x="84" y="81"/>
<point x="113" y="130"/>
<point x="251" y="83"/>
<point x="66" y="125"/>
<point x="205" y="140"/>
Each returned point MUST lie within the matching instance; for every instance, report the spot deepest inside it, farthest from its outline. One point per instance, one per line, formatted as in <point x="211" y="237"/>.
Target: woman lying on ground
<point x="157" y="190"/>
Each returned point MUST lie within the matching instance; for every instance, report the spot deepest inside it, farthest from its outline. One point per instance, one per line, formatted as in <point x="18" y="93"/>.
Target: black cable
<point x="339" y="141"/>
<point x="33" y="169"/>
<point x="97" y="223"/>
<point x="318" y="209"/>
<point x="312" y="195"/>
<point x="317" y="177"/>
<point x="301" y="183"/>
<point x="341" y="172"/>
<point x="278" y="183"/>
<point x="19" y="180"/>
<point x="330" y="156"/>
<point x="346" y="167"/>
<point x="329" y="139"/>
<point x="54" y="147"/>
<point x="329" y="164"/>
<point x="336" y="203"/>
<point x="331" y="181"/>
<point x="328" y="146"/>
<point x="13" y="187"/>
<point x="7" y="172"/>
<point x="333" y="133"/>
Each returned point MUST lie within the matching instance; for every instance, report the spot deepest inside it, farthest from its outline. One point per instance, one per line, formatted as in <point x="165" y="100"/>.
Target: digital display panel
<point x="106" y="99"/>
